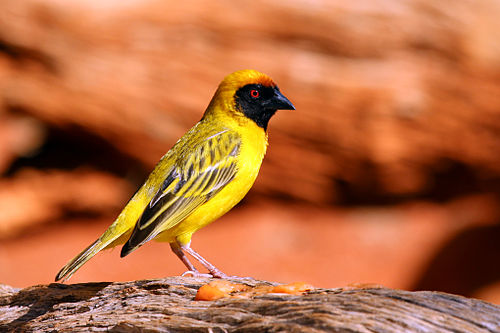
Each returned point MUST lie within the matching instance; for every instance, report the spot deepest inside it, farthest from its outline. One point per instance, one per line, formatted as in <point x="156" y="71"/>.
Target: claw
<point x="240" y="278"/>
<point x="214" y="272"/>
<point x="196" y="274"/>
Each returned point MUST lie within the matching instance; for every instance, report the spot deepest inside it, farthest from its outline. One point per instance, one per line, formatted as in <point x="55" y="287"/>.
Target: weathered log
<point x="168" y="305"/>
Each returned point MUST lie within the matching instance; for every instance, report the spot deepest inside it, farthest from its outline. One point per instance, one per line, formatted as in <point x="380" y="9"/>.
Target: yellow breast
<point x="252" y="151"/>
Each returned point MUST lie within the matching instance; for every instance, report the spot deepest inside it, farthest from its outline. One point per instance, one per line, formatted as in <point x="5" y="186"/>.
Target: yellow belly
<point x="252" y="152"/>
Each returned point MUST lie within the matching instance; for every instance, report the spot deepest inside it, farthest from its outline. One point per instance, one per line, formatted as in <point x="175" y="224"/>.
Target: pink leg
<point x="178" y="251"/>
<point x="211" y="268"/>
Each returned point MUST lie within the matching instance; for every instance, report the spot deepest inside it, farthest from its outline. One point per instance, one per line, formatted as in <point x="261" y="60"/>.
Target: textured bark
<point x="167" y="305"/>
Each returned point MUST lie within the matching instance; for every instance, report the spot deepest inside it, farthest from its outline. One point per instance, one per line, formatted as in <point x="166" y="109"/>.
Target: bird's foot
<point x="196" y="274"/>
<point x="219" y="275"/>
<point x="239" y="278"/>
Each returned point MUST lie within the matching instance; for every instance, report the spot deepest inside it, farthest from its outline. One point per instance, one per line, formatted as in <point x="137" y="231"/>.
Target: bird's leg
<point x="178" y="252"/>
<point x="211" y="268"/>
<point x="177" y="249"/>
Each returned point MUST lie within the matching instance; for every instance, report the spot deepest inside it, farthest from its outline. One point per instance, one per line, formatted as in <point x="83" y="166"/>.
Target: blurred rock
<point x="19" y="137"/>
<point x="388" y="94"/>
<point x="32" y="197"/>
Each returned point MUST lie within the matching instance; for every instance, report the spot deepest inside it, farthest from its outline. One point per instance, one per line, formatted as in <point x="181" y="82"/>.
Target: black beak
<point x="280" y="102"/>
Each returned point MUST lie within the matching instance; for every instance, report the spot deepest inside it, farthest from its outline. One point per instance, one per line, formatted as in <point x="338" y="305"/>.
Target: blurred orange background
<point x="388" y="172"/>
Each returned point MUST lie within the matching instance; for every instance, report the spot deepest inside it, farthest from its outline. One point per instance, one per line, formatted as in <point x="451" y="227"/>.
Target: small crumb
<point x="292" y="288"/>
<point x="218" y="289"/>
<point x="221" y="288"/>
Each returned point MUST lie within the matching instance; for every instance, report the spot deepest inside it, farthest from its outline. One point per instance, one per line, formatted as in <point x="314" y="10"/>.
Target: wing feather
<point x="191" y="182"/>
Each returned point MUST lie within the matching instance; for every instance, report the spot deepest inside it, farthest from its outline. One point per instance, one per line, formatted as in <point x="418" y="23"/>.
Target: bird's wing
<point x="193" y="180"/>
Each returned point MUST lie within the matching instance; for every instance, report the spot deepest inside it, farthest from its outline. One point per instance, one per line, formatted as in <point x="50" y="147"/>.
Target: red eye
<point x="254" y="93"/>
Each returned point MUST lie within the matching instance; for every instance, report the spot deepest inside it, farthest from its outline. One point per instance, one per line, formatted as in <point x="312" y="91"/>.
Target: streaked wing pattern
<point x="192" y="181"/>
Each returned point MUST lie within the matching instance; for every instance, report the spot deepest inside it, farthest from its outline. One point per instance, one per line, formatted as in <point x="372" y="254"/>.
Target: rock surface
<point x="168" y="305"/>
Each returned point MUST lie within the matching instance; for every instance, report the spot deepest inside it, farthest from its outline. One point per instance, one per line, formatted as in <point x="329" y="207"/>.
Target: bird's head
<point x="253" y="95"/>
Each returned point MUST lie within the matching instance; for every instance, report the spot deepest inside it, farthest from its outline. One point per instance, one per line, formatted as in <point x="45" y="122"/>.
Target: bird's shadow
<point x="42" y="298"/>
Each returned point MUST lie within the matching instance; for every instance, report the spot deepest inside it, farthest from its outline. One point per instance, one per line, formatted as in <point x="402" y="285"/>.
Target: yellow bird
<point x="208" y="171"/>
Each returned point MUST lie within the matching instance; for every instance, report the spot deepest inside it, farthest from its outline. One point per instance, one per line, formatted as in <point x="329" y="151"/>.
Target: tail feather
<point x="78" y="261"/>
<point x="133" y="244"/>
